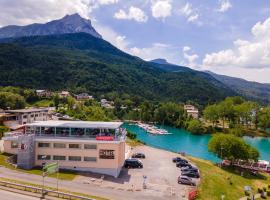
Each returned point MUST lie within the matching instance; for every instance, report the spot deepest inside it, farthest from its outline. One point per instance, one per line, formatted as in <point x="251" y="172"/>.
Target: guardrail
<point x="46" y="192"/>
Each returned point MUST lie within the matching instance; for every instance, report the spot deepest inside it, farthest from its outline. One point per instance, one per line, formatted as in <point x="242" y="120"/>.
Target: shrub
<point x="268" y="193"/>
<point x="260" y="190"/>
<point x="131" y="135"/>
<point x="247" y="193"/>
<point x="264" y="189"/>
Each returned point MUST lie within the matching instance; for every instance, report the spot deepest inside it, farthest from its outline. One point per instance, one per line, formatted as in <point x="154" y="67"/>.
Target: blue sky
<point x="230" y="37"/>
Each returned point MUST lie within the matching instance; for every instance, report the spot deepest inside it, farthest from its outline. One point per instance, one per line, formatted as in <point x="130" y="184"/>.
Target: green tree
<point x="232" y="147"/>
<point x="56" y="101"/>
<point x="195" y="126"/>
<point x="211" y="113"/>
<point x="264" y="118"/>
<point x="11" y="100"/>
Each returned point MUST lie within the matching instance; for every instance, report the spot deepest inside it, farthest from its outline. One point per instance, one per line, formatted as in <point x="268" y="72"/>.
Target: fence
<point x="38" y="190"/>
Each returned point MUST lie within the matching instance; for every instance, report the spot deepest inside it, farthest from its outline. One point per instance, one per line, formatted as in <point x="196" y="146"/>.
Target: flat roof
<point x="77" y="124"/>
<point x="27" y="110"/>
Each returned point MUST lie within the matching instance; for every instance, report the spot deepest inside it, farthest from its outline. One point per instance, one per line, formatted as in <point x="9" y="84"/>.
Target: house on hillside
<point x="64" y="94"/>
<point x="106" y="104"/>
<point x="44" y="93"/>
<point x="83" y="96"/>
<point x="192" y="111"/>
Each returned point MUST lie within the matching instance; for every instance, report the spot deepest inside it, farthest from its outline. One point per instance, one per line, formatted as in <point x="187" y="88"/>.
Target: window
<point x="90" y="159"/>
<point x="25" y="116"/>
<point x="74" y="158"/>
<point x="106" y="154"/>
<point x="90" y="146"/>
<point x="59" y="145"/>
<point x="74" y="146"/>
<point x="14" y="145"/>
<point x="43" y="145"/>
<point x="59" y="157"/>
<point x="44" y="157"/>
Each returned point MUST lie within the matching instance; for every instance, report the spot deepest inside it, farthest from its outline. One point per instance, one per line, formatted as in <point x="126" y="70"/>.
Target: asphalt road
<point x="6" y="195"/>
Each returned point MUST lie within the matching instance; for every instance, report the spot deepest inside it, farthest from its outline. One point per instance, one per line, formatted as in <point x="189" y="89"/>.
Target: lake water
<point x="195" y="145"/>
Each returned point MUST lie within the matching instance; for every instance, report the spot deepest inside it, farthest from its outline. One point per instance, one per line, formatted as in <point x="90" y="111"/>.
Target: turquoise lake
<point x="195" y="145"/>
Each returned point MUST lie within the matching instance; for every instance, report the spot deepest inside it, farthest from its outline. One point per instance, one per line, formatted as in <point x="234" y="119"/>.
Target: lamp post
<point x="43" y="174"/>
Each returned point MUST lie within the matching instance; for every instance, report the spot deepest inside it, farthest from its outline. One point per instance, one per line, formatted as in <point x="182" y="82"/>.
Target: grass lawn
<point x="51" y="188"/>
<point x="43" y="103"/>
<point x="63" y="175"/>
<point x="215" y="182"/>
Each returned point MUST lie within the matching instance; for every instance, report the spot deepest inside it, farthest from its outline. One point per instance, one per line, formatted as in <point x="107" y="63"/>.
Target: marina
<point x="153" y="129"/>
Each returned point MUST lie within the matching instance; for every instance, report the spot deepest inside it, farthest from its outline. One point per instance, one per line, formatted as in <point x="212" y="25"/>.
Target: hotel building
<point x="77" y="145"/>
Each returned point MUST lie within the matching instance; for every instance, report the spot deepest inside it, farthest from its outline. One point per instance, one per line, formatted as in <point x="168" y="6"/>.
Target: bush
<point x="247" y="193"/>
<point x="131" y="135"/>
<point x="260" y="190"/>
<point x="268" y="186"/>
<point x="264" y="189"/>
<point x="268" y="193"/>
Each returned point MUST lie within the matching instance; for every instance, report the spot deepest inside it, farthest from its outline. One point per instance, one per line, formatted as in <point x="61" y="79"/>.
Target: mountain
<point x="249" y="89"/>
<point x="69" y="24"/>
<point x="164" y="65"/>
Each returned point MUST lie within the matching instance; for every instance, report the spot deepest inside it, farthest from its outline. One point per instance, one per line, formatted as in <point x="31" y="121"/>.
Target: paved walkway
<point x="6" y="195"/>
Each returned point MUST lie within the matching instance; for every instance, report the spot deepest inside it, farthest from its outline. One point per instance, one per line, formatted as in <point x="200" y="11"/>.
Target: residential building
<point x="83" y="96"/>
<point x="76" y="145"/>
<point x="192" y="111"/>
<point x="14" y="119"/>
<point x="106" y="104"/>
<point x="64" y="94"/>
<point x="44" y="93"/>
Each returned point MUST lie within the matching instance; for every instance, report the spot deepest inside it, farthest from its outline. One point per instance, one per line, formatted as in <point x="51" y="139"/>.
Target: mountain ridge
<point x="69" y="24"/>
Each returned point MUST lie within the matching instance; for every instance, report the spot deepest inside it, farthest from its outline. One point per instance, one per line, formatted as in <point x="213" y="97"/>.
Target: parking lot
<point x="160" y="172"/>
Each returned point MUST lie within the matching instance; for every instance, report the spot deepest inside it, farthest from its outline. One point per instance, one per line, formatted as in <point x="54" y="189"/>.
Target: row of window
<point x="64" y="158"/>
<point x="70" y="146"/>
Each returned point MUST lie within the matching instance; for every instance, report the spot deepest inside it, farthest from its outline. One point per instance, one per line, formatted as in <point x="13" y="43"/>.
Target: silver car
<point x="186" y="180"/>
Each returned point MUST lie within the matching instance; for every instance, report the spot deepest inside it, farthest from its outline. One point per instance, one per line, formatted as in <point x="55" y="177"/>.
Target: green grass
<point x="216" y="181"/>
<point x="63" y="175"/>
<point x="51" y="188"/>
<point x="43" y="103"/>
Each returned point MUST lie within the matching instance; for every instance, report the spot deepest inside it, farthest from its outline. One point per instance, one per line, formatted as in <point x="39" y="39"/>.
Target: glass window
<point x="59" y="157"/>
<point x="44" y="157"/>
<point x="74" y="146"/>
<point x="106" y="154"/>
<point x="90" y="146"/>
<point x="59" y="145"/>
<point x="14" y="144"/>
<point x="74" y="158"/>
<point x="90" y="159"/>
<point x="43" y="145"/>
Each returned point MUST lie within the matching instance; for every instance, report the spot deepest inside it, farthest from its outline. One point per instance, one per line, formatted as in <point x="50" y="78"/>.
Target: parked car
<point x="189" y="167"/>
<point x="182" y="164"/>
<point x="133" y="163"/>
<point x="190" y="170"/>
<point x="178" y="159"/>
<point x="191" y="174"/>
<point x="186" y="180"/>
<point x="138" y="155"/>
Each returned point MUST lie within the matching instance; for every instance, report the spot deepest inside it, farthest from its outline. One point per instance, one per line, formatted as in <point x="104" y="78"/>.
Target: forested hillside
<point x="82" y="63"/>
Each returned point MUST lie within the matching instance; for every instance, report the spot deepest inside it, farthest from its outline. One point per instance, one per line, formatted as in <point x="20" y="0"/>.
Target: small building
<point x="83" y="96"/>
<point x="64" y="94"/>
<point x="44" y="93"/>
<point x="76" y="145"/>
<point x="106" y="104"/>
<point x="192" y="111"/>
<point x="14" y="119"/>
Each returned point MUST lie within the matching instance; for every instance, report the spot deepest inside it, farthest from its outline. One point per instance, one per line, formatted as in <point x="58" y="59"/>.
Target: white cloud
<point x="190" y="13"/>
<point x="134" y="13"/>
<point x="157" y="50"/>
<point x="224" y="5"/>
<point x="161" y="9"/>
<point x="190" y="57"/>
<point x="22" y="12"/>
<point x="246" y="54"/>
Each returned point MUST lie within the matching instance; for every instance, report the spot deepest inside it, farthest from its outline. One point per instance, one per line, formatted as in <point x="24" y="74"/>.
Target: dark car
<point x="191" y="174"/>
<point x="192" y="168"/>
<point x="133" y="163"/>
<point x="138" y="155"/>
<point x="178" y="159"/>
<point x="186" y="180"/>
<point x="182" y="164"/>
